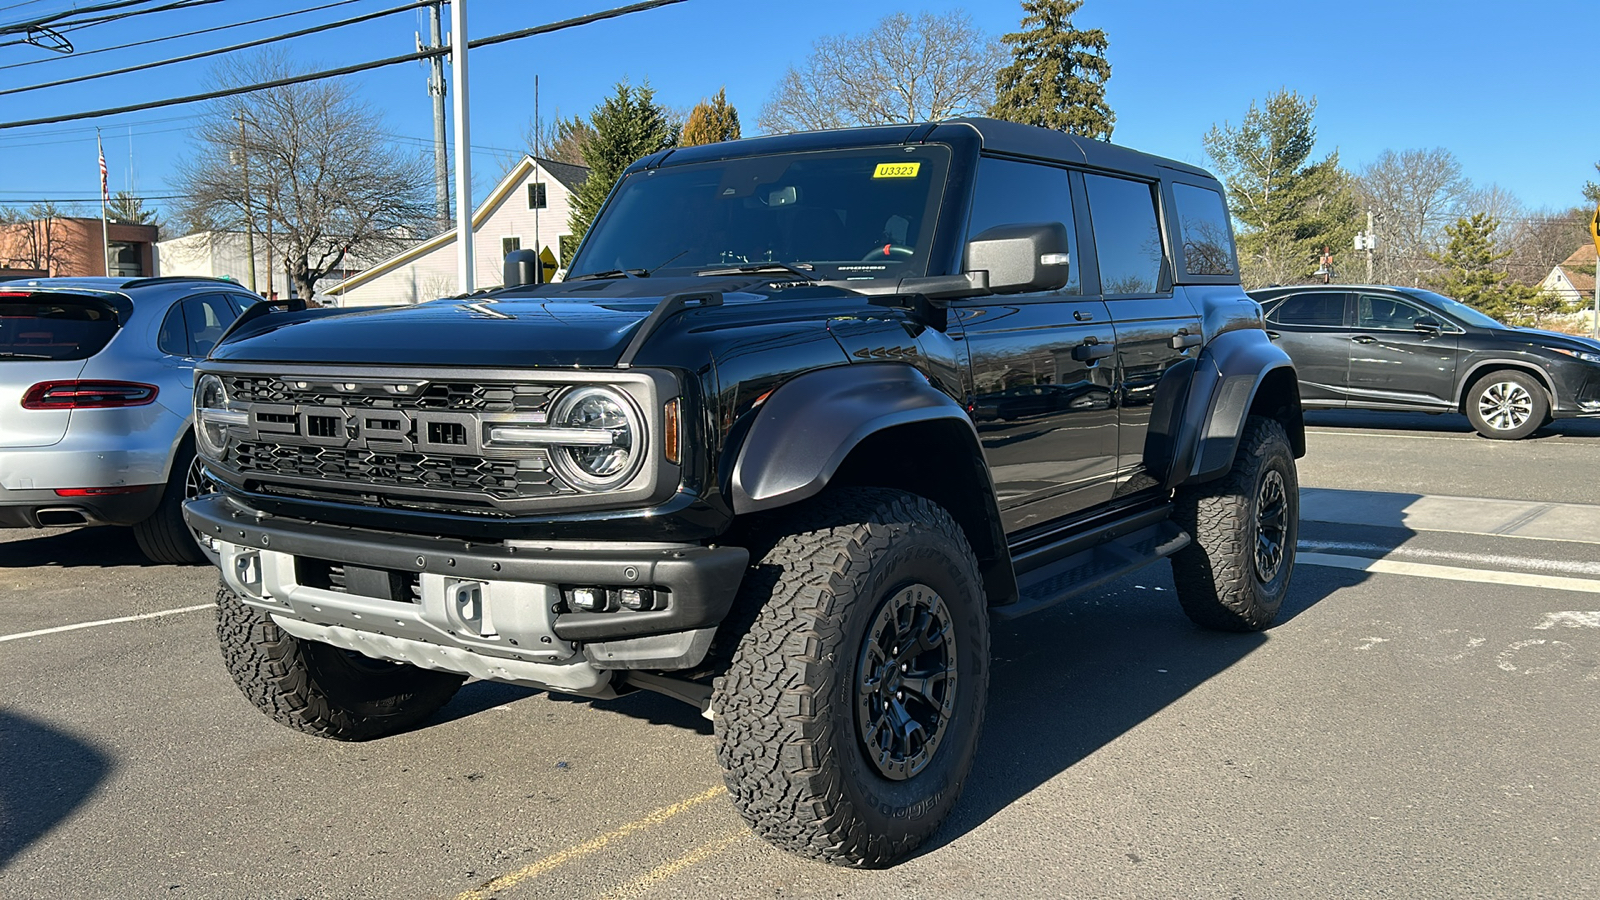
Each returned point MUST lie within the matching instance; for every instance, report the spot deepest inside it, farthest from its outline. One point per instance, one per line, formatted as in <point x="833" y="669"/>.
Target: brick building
<point x="74" y="246"/>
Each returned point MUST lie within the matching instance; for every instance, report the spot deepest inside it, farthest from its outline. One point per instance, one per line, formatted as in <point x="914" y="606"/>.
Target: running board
<point x="1091" y="568"/>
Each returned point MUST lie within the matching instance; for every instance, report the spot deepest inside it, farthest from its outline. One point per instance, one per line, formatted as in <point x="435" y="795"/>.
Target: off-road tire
<point x="1218" y="578"/>
<point x="165" y="537"/>
<point x="786" y="710"/>
<point x="1536" y="412"/>
<point x="318" y="688"/>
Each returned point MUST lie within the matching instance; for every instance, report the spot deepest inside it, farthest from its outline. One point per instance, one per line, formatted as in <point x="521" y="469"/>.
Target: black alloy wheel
<point x="1272" y="526"/>
<point x="906" y="678"/>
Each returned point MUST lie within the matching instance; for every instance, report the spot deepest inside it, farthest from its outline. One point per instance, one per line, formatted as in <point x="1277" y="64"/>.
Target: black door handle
<point x="1363" y="339"/>
<point x="1083" y="315"/>
<point x="1092" y="350"/>
<point x="1183" y="340"/>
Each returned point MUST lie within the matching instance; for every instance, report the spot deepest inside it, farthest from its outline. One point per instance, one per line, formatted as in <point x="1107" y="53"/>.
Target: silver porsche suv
<point x="96" y="402"/>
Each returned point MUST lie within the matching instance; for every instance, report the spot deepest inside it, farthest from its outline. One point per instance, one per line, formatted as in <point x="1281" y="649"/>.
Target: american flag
<point x="105" y="190"/>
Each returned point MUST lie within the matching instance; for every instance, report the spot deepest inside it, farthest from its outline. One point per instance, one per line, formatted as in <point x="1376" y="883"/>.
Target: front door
<point x="1042" y="369"/>
<point x="1392" y="363"/>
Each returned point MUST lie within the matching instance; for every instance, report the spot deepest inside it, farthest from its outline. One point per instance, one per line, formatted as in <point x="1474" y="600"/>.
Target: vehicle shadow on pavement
<point x="45" y="775"/>
<point x="1066" y="683"/>
<point x="1444" y="423"/>
<point x="480" y="696"/>
<point x="99" y="546"/>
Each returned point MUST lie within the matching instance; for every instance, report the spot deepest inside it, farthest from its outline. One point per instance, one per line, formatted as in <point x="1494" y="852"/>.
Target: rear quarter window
<point x="1319" y="309"/>
<point x="1207" y="238"/>
<point x="35" y="326"/>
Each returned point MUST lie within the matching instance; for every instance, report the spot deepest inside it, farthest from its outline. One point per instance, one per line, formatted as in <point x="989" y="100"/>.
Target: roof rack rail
<point x="175" y="279"/>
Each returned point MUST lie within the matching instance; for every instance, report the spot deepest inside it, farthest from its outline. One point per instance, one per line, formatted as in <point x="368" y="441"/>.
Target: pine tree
<point x="627" y="126"/>
<point x="1289" y="207"/>
<point x="711" y="121"/>
<point x="1591" y="191"/>
<point x="1472" y="276"/>
<point x="1057" y="78"/>
<point x="125" y="207"/>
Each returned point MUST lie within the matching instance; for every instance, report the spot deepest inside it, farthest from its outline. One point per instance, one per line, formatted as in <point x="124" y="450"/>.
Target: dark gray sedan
<point x="1366" y="347"/>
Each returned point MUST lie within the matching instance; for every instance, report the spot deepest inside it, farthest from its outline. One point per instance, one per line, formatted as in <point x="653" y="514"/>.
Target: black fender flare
<point x="806" y="429"/>
<point x="1228" y="379"/>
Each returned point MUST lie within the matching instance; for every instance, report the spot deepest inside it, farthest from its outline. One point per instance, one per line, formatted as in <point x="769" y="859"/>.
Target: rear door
<point x="1156" y="326"/>
<point x="1041" y="366"/>
<point x="1312" y="327"/>
<point x="46" y="337"/>
<point x="1394" y="364"/>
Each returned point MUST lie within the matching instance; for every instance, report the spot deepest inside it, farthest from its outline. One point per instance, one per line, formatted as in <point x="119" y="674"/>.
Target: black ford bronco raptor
<point x="805" y="413"/>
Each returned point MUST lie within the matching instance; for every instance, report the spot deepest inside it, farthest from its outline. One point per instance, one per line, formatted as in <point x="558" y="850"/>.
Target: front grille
<point x="393" y="394"/>
<point x="503" y="478"/>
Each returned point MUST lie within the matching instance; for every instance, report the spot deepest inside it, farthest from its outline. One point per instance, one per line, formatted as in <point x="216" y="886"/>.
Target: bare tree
<point x="1415" y="194"/>
<point x="324" y="182"/>
<point x="35" y="238"/>
<point x="559" y="140"/>
<point x="1543" y="239"/>
<point x="903" y="70"/>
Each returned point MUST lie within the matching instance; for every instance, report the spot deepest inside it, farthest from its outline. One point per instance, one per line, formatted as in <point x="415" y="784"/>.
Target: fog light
<point x="588" y="599"/>
<point x="636" y="599"/>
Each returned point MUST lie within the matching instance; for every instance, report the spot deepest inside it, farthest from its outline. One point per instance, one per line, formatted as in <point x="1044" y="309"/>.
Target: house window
<point x="509" y="244"/>
<point x="536" y="198"/>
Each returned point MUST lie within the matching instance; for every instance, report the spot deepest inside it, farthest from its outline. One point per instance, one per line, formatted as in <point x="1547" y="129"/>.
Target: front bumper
<point x="490" y="610"/>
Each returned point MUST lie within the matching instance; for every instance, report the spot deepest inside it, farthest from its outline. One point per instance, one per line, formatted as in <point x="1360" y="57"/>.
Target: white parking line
<point x="1402" y="437"/>
<point x="117" y="621"/>
<point x="1488" y="560"/>
<point x="1450" y="573"/>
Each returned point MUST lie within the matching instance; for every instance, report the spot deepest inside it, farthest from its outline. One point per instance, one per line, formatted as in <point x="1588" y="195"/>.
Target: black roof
<point x="571" y="176"/>
<point x="994" y="135"/>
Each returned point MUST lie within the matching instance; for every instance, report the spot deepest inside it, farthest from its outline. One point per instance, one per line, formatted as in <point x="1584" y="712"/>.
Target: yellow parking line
<point x="593" y="845"/>
<point x="700" y="854"/>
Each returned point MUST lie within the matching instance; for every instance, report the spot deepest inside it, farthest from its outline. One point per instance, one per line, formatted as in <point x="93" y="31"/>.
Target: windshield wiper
<point x="753" y="268"/>
<point x="629" y="273"/>
<point x="9" y="355"/>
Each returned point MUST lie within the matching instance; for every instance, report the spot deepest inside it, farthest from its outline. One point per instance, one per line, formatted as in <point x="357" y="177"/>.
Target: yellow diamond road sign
<point x="547" y="262"/>
<point x="1594" y="229"/>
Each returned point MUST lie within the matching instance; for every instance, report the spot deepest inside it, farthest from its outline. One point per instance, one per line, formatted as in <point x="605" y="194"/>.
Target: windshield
<point x="836" y="214"/>
<point x="1459" y="310"/>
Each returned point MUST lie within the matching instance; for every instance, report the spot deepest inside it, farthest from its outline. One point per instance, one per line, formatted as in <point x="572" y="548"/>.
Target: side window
<point x="1324" y="308"/>
<point x="1387" y="312"/>
<point x="1127" y="238"/>
<point x="174" y="336"/>
<point x="205" y="318"/>
<point x="1203" y="222"/>
<point x="1016" y="193"/>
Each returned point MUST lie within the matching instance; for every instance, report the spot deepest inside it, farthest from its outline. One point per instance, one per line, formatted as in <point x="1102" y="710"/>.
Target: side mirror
<point x="1021" y="258"/>
<point x="1429" y="326"/>
<point x="522" y="267"/>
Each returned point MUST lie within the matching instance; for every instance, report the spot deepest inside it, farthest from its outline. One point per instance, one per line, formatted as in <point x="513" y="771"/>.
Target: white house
<point x="527" y="210"/>
<point x="1573" y="280"/>
<point x="224" y="254"/>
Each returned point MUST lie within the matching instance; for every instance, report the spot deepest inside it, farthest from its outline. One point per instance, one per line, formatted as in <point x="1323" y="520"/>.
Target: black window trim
<point x="1087" y="264"/>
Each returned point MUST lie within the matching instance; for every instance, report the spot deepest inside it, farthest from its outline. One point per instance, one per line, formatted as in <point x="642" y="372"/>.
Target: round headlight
<point x="613" y="454"/>
<point x="210" y="393"/>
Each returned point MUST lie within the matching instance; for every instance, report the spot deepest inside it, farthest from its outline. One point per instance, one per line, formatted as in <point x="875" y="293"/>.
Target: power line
<point x="186" y="34"/>
<point x="53" y="20"/>
<point x="354" y="20"/>
<point x="344" y="70"/>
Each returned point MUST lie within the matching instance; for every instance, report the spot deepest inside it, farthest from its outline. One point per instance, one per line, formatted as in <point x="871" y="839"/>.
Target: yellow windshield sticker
<point x="896" y="170"/>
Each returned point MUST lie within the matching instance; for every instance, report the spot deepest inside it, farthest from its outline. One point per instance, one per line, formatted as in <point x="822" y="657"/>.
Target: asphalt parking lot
<point x="1420" y="724"/>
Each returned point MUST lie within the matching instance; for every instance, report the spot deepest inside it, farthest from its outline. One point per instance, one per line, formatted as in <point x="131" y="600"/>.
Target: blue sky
<point x="1508" y="88"/>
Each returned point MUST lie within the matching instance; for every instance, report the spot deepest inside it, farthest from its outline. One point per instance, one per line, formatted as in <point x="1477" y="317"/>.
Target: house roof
<point x="570" y="177"/>
<point x="1581" y="280"/>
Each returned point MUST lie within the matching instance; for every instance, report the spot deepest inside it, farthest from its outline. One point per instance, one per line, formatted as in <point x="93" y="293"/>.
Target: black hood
<point x="1556" y="339"/>
<point x="586" y="324"/>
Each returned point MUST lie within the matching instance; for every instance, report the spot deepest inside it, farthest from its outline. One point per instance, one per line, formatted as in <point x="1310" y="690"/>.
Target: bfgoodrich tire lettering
<point x="1235" y="573"/>
<point x="788" y="714"/>
<point x="321" y="689"/>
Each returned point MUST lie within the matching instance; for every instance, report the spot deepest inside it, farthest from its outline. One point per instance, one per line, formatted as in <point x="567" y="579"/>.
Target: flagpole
<point x="105" y="231"/>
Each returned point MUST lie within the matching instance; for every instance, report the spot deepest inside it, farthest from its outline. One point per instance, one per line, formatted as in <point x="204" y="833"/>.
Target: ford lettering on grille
<point x="389" y="430"/>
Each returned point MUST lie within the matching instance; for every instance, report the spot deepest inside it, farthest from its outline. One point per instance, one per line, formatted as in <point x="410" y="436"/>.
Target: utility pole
<point x="538" y="127"/>
<point x="458" y="69"/>
<point x="436" y="87"/>
<point x="249" y="217"/>
<point x="1369" y="243"/>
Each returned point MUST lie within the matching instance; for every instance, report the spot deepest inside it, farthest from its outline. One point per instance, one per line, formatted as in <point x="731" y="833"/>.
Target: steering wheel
<point x="890" y="251"/>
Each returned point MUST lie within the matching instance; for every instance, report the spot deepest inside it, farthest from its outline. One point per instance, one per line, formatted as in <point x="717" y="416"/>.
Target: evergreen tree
<point x="627" y="126"/>
<point x="1591" y="191"/>
<point x="1058" y="74"/>
<point x="1289" y="207"/>
<point x="125" y="207"/>
<point x="1471" y="273"/>
<point x="711" y="121"/>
